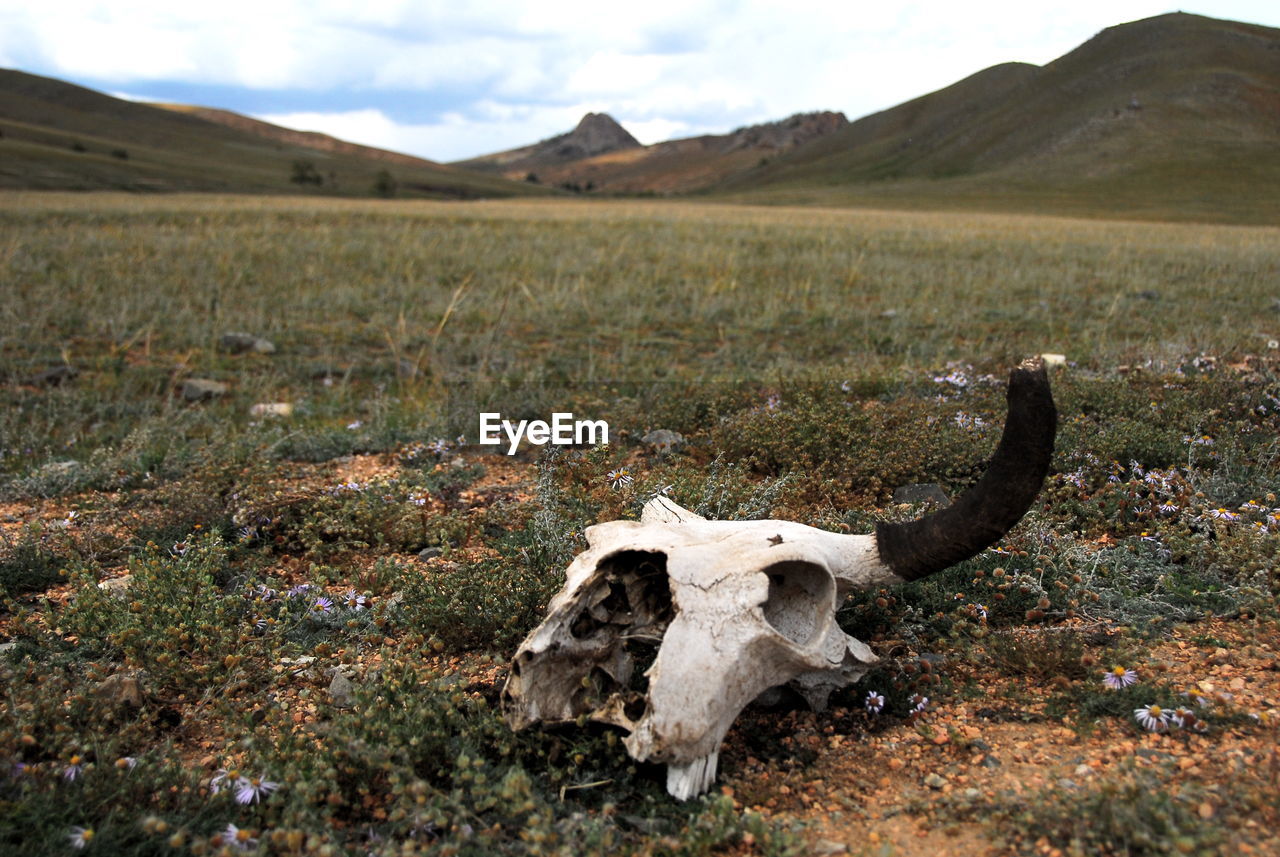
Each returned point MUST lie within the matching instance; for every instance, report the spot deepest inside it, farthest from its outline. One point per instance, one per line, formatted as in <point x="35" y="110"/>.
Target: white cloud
<point x="657" y="130"/>
<point x="455" y="137"/>
<point x="493" y="74"/>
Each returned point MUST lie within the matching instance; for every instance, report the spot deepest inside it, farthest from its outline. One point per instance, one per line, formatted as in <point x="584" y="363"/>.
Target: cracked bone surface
<point x="668" y="627"/>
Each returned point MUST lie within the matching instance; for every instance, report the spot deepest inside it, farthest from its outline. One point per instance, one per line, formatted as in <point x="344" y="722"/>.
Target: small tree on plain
<point x="305" y="172"/>
<point x="384" y="184"/>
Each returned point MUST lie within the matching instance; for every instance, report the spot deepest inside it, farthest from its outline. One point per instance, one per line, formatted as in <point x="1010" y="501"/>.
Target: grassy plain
<point x="814" y="359"/>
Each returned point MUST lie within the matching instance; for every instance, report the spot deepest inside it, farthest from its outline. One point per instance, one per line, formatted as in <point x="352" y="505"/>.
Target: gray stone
<point x="242" y="343"/>
<point x="6" y="648"/>
<point x="117" y="586"/>
<point x="663" y="440"/>
<point x="341" y="690"/>
<point x="430" y="553"/>
<point x="121" y="690"/>
<point x="829" y="846"/>
<point x="935" y="781"/>
<point x="59" y="468"/>
<point x="924" y="492"/>
<point x="272" y="409"/>
<point x="199" y="389"/>
<point x="53" y="376"/>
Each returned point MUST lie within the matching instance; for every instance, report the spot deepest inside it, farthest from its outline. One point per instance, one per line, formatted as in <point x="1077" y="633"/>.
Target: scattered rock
<point x="430" y="553"/>
<point x="924" y="492"/>
<point x="67" y="467"/>
<point x="663" y="440"/>
<point x="272" y="409"/>
<point x="935" y="781"/>
<point x="6" y="648"/>
<point x="242" y="343"/>
<point x="199" y="389"/>
<point x="53" y="376"/>
<point x="1066" y="783"/>
<point x="828" y="846"/>
<point x="117" y="586"/>
<point x="341" y="690"/>
<point x="1054" y="359"/>
<point x="121" y="690"/>
<point x="889" y="313"/>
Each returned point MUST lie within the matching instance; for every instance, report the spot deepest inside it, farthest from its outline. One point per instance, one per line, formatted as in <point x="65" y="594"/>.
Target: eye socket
<point x="801" y="595"/>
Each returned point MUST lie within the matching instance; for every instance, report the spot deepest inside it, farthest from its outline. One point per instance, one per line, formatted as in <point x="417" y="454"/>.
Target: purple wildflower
<point x="251" y="790"/>
<point x="1118" y="677"/>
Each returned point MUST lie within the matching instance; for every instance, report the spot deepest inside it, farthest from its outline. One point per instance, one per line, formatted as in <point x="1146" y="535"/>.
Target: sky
<point x="452" y="79"/>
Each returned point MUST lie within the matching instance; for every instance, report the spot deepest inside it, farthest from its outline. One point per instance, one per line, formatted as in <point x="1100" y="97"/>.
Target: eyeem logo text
<point x="563" y="428"/>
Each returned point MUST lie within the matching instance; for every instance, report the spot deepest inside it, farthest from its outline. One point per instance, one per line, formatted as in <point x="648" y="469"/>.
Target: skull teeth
<point x="692" y="779"/>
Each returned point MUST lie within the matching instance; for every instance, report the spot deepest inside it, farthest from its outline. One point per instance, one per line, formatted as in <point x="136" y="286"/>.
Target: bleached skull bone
<point x="668" y="627"/>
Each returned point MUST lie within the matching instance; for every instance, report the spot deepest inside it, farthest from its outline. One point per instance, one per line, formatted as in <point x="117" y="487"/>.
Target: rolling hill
<point x="57" y="135"/>
<point x="1177" y="115"/>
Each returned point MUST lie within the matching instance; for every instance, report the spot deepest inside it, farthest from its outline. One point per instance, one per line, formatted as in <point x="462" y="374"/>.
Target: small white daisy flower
<point x="80" y="837"/>
<point x="74" y="768"/>
<point x="1118" y="677"/>
<point x="238" y="838"/>
<point x="1152" y="717"/>
<point x="251" y="790"/>
<point x="874" y="702"/>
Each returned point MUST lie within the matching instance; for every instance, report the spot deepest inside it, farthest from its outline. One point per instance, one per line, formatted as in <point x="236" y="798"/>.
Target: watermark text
<point x="563" y="429"/>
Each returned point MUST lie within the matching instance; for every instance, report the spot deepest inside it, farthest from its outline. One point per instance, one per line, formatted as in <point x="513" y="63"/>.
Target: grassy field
<point x="814" y="360"/>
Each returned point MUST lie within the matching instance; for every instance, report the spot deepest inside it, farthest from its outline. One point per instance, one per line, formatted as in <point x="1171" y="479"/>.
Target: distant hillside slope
<point x="600" y="155"/>
<point x="1168" y="111"/>
<point x="307" y="139"/>
<point x="57" y="135"/>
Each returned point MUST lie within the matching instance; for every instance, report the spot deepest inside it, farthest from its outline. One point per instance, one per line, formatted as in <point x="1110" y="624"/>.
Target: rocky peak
<point x="596" y="134"/>
<point x="786" y="133"/>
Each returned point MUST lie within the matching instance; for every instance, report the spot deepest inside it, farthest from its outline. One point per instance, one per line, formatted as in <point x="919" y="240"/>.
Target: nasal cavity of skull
<point x="801" y="598"/>
<point x="628" y="595"/>
<point x="622" y="614"/>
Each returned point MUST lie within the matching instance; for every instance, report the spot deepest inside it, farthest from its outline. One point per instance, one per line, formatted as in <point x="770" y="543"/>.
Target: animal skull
<point x="668" y="627"/>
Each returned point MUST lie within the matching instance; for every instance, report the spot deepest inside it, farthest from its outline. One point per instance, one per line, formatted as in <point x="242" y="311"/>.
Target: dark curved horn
<point x="979" y="517"/>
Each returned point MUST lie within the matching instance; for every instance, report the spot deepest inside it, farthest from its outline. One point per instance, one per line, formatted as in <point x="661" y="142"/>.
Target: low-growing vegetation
<point x="234" y="628"/>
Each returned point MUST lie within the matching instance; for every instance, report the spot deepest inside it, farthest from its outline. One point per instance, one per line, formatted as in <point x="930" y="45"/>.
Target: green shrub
<point x="175" y="620"/>
<point x="1137" y="811"/>
<point x="30" y="563"/>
